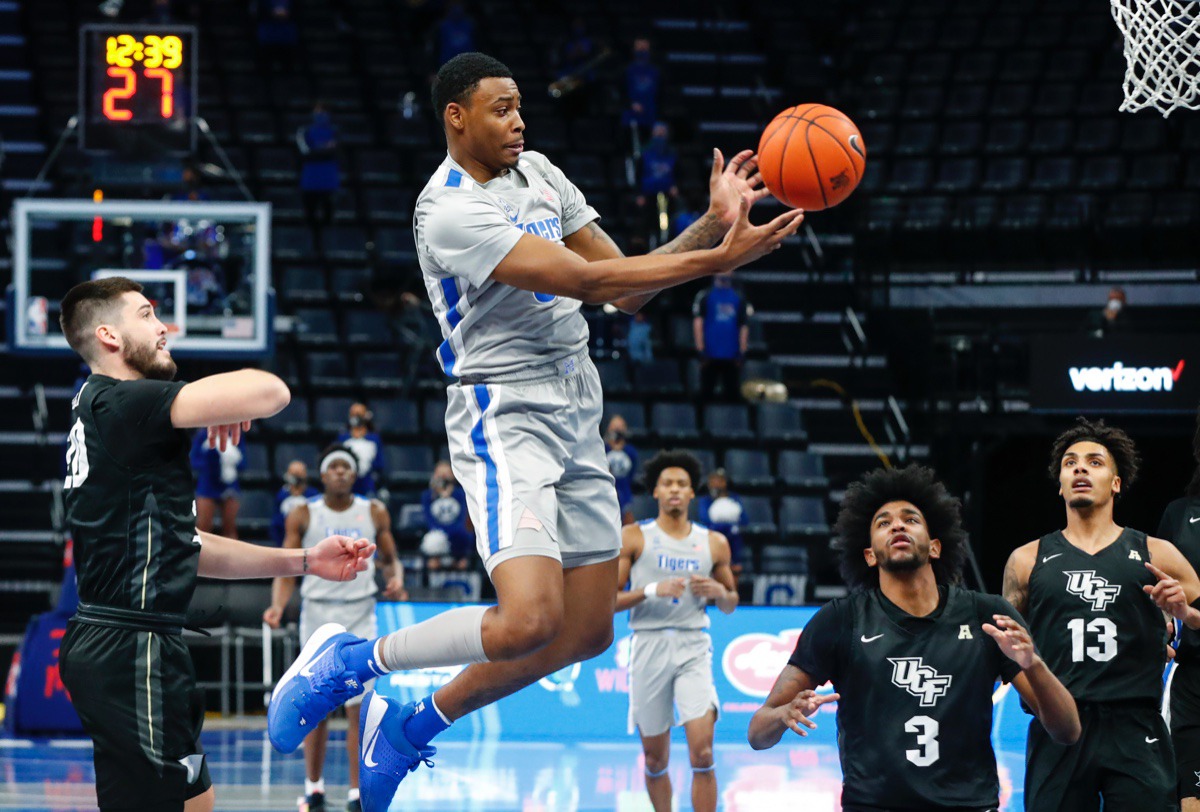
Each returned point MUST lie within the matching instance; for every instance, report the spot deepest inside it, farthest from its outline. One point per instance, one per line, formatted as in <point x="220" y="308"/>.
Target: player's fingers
<point x="759" y="193"/>
<point x="718" y="163"/>
<point x="825" y="699"/>
<point x="738" y="161"/>
<point x="235" y="433"/>
<point x="754" y="180"/>
<point x="795" y="727"/>
<point x="1159" y="574"/>
<point x="992" y="631"/>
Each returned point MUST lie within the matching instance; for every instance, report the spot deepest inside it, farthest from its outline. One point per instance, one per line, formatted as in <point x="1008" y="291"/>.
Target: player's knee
<point x="656" y="763"/>
<point x="528" y="631"/>
<point x="702" y="757"/>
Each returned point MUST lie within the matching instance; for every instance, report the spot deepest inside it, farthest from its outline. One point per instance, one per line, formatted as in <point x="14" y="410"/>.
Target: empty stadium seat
<point x="408" y="465"/>
<point x="675" y="421"/>
<point x="749" y="469"/>
<point x="803" y="516"/>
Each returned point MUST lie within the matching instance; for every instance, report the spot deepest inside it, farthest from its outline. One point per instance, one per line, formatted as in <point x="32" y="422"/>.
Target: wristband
<point x="651" y="590"/>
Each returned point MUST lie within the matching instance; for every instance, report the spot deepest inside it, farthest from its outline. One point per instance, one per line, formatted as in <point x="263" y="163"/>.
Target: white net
<point x="1162" y="53"/>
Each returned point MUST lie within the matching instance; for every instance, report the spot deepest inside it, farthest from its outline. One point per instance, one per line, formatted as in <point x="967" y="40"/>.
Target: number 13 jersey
<point x="915" y="716"/>
<point x="1097" y="630"/>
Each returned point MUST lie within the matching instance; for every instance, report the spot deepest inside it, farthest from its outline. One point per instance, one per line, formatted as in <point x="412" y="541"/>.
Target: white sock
<point x="352" y="795"/>
<point x="314" y="786"/>
<point x="454" y="637"/>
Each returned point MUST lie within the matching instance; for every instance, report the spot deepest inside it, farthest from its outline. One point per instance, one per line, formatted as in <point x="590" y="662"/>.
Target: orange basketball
<point x="811" y="156"/>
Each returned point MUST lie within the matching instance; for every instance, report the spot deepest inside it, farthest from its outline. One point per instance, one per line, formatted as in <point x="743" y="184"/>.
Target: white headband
<point x="334" y="456"/>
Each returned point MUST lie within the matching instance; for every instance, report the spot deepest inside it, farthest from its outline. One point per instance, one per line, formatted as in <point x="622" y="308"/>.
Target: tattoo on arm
<point x="1016" y="591"/>
<point x="704" y="233"/>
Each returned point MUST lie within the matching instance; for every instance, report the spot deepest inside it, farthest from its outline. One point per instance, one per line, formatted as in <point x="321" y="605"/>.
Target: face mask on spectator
<point x="292" y="480"/>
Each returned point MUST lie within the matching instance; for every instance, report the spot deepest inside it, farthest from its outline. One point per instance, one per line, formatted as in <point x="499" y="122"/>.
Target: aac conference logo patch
<point x="752" y="662"/>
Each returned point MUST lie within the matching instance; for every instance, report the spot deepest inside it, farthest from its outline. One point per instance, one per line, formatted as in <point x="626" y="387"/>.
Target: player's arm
<point x="282" y="587"/>
<point x="1016" y="575"/>
<point x="231" y="397"/>
<point x="792" y="701"/>
<point x="393" y="570"/>
<point x="537" y="264"/>
<point x="726" y="183"/>
<point x="1046" y="696"/>
<point x="721" y="588"/>
<point x="1178" y="587"/>
<point x="632" y="543"/>
<point x="336" y="558"/>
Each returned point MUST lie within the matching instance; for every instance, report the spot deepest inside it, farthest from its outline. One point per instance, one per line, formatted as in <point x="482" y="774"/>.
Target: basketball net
<point x="1162" y="53"/>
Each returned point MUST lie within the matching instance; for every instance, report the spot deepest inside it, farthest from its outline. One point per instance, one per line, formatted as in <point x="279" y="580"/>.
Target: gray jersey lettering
<point x="662" y="558"/>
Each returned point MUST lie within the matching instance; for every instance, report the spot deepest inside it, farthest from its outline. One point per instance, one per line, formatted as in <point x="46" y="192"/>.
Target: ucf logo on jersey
<point x="1092" y="588"/>
<point x="920" y="680"/>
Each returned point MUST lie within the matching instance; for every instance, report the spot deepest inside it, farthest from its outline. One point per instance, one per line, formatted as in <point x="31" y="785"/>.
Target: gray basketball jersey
<point x="354" y="522"/>
<point x="463" y="230"/>
<point x="662" y="558"/>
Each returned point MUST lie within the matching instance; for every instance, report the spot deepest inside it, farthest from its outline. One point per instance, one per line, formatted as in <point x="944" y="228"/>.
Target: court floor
<point x="484" y="776"/>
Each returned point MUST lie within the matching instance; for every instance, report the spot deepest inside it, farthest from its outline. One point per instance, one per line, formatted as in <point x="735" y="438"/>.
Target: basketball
<point x="811" y="156"/>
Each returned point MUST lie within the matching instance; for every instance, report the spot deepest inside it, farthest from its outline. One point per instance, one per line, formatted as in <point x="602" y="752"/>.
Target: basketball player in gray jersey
<point x="350" y="604"/>
<point x="674" y="568"/>
<point x="509" y="249"/>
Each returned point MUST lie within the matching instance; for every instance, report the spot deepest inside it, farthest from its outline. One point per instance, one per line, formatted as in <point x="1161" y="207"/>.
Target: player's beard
<point x="910" y="563"/>
<point x="1081" y="502"/>
<point x="144" y="359"/>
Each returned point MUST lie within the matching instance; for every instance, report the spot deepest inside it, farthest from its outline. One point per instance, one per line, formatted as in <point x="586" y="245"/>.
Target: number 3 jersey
<point x="1098" y="631"/>
<point x="915" y="716"/>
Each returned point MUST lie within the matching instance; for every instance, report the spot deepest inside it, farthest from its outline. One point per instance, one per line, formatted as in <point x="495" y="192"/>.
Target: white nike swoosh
<point x="367" y="756"/>
<point x="1047" y="558"/>
<point x="1194" y="519"/>
<point x="1150" y="740"/>
<point x="866" y="639"/>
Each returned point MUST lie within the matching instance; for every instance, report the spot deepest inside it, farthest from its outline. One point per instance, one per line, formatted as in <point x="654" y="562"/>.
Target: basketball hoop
<point x="1162" y="53"/>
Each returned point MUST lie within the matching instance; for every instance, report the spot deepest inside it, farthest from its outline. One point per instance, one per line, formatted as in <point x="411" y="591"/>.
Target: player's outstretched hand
<point x="746" y="242"/>
<point x="339" y="558"/>
<point x="728" y="183"/>
<point x="1013" y="640"/>
<point x="795" y="713"/>
<point x="1167" y="594"/>
<point x="670" y="588"/>
<point x="706" y="587"/>
<point x="273" y="616"/>
<point x="221" y="437"/>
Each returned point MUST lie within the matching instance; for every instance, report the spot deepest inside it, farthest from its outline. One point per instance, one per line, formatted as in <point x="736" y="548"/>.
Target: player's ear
<point x="107" y="337"/>
<point x="935" y="548"/>
<point x="1116" y="485"/>
<point x="454" y="116"/>
<point x="869" y="555"/>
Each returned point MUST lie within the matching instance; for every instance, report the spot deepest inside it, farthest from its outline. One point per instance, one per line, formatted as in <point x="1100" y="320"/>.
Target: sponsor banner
<point x="590" y="700"/>
<point x="1076" y="373"/>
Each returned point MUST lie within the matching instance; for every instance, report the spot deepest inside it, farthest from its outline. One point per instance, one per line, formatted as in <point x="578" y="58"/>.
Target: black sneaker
<point x="315" y="802"/>
<point x="354" y="806"/>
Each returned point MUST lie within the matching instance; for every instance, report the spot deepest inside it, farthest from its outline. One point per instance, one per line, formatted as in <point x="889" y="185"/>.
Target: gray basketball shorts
<point x="670" y="679"/>
<point x="528" y="453"/>
<point x="357" y="616"/>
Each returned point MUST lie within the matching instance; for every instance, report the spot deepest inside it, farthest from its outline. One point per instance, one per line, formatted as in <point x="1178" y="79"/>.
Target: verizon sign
<point x="1121" y="374"/>
<point x="1121" y="378"/>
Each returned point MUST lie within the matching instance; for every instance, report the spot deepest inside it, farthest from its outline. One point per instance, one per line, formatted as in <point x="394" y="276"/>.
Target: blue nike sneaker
<point x="387" y="755"/>
<point x="314" y="685"/>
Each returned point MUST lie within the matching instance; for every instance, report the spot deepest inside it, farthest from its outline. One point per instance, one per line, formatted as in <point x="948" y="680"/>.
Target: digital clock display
<point x="137" y="88"/>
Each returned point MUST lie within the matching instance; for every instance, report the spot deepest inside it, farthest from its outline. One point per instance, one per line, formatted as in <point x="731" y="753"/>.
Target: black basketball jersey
<point x="130" y="497"/>
<point x="1096" y="629"/>
<point x="1180" y="525"/>
<point x="915" y="716"/>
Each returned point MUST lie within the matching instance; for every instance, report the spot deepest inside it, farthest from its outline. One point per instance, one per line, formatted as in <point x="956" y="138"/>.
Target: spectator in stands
<point x="367" y="446"/>
<point x="687" y="212"/>
<point x="277" y="34"/>
<point x="622" y="464"/>
<point x="722" y="510"/>
<point x="658" y="165"/>
<point x="320" y="176"/>
<point x="641" y="90"/>
<point x="641" y="349"/>
<point x="449" y="537"/>
<point x="1112" y="318"/>
<point x="295" y="491"/>
<point x="419" y="335"/>
<point x="191" y="185"/>
<point x="217" y="483"/>
<point x="720" y="324"/>
<point x="456" y="32"/>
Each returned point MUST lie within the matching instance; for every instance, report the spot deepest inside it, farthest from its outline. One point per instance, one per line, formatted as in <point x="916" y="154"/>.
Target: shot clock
<point x="137" y="89"/>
